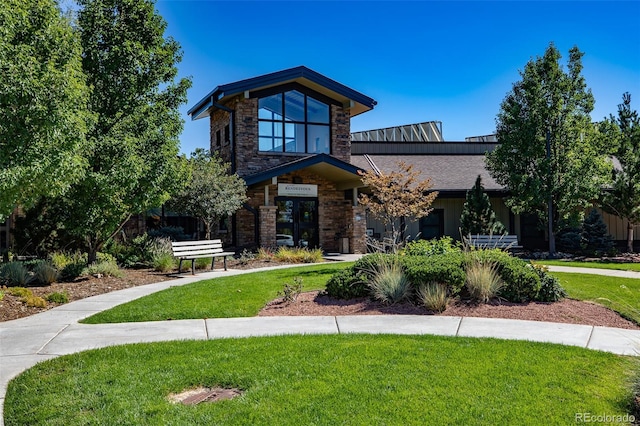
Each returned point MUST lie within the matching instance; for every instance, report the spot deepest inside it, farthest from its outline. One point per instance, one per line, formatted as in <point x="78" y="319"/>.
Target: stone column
<point x="267" y="226"/>
<point x="357" y="230"/>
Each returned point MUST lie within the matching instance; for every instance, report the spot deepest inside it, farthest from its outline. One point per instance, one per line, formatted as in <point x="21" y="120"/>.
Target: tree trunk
<point x="207" y="230"/>
<point x="552" y="244"/>
<point x="92" y="252"/>
<point x="630" y="237"/>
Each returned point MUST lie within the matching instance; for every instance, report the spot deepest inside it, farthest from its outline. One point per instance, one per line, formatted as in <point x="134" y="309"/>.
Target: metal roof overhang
<point x="343" y="174"/>
<point x="355" y="101"/>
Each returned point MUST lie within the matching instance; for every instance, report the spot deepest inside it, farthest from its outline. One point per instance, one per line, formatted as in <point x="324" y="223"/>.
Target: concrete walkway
<point x="27" y="341"/>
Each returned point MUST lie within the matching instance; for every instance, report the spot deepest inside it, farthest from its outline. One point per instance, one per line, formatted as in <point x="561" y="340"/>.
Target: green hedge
<point x="445" y="269"/>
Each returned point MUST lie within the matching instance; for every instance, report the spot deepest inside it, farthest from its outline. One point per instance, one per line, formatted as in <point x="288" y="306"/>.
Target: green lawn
<point x="327" y="380"/>
<point x="620" y="294"/>
<point x="225" y="297"/>
<point x="598" y="265"/>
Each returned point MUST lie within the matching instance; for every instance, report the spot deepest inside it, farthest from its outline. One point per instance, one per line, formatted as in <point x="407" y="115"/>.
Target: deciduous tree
<point x="212" y="193"/>
<point x="549" y="106"/>
<point x="43" y="100"/>
<point x="623" y="133"/>
<point x="133" y="160"/>
<point x="395" y="196"/>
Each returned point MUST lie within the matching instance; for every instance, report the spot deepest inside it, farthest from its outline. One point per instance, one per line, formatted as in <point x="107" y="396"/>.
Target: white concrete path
<point x="27" y="341"/>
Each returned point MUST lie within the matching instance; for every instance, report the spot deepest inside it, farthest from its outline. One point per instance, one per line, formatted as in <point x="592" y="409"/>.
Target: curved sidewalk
<point x="27" y="341"/>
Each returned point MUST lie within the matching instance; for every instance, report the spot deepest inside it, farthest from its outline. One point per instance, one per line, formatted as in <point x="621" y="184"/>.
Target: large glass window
<point x="293" y="122"/>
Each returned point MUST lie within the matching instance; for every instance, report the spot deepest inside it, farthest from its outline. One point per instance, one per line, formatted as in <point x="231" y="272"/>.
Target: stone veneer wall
<point x="332" y="205"/>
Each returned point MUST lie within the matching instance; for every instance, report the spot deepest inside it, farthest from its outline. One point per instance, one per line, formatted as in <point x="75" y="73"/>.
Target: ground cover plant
<point x="597" y="265"/>
<point x="224" y="297"/>
<point x="619" y="294"/>
<point x="294" y="380"/>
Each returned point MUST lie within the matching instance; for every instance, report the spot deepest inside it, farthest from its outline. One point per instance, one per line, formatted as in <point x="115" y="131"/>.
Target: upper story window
<point x="293" y="122"/>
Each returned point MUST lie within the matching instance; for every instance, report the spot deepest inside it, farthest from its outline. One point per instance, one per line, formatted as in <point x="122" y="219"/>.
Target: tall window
<point x="432" y="226"/>
<point x="293" y="122"/>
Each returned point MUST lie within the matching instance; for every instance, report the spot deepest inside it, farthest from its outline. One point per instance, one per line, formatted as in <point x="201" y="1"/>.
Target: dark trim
<point x="273" y="79"/>
<point x="294" y="86"/>
<point x="462" y="193"/>
<point x="299" y="164"/>
<point x="232" y="135"/>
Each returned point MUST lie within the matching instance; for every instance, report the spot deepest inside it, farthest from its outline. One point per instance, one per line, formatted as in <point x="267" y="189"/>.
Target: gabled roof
<point x="344" y="174"/>
<point x="358" y="102"/>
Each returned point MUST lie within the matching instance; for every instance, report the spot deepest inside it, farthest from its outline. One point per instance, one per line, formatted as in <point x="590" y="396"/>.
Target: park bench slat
<point x="494" y="241"/>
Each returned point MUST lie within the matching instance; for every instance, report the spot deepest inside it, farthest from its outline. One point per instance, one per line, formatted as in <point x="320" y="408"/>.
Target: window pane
<point x="266" y="128"/>
<point x="317" y="111"/>
<point x="294" y="135"/>
<point x="270" y="108"/>
<point x="318" y="139"/>
<point x="270" y="144"/>
<point x="294" y="106"/>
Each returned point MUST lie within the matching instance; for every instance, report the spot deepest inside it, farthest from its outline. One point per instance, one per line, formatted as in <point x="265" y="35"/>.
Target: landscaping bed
<point x="565" y="311"/>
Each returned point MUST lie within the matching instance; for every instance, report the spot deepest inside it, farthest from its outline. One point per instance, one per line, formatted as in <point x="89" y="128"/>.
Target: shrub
<point x="521" y="282"/>
<point x="595" y="236"/>
<point x="433" y="296"/>
<point x="446" y="269"/>
<point x="107" y="269"/>
<point x="298" y="255"/>
<point x="569" y="240"/>
<point x="264" y="254"/>
<point x="45" y="273"/>
<point x="20" y="292"/>
<point x="14" y="274"/>
<point x="35" y="301"/>
<point x="550" y="288"/>
<point x="58" y="297"/>
<point x="347" y="284"/>
<point x="367" y="265"/>
<point x="1" y="295"/>
<point x="164" y="262"/>
<point x="245" y="257"/>
<point x="72" y="271"/>
<point x="203" y="263"/>
<point x="59" y="260"/>
<point x="290" y="292"/>
<point x="444" y="245"/>
<point x="483" y="281"/>
<point x="389" y="283"/>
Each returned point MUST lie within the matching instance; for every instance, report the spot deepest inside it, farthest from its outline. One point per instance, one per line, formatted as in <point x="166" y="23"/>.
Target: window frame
<point x="283" y="122"/>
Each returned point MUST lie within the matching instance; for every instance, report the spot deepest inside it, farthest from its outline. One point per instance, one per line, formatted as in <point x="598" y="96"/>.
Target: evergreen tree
<point x="595" y="237"/>
<point x="623" y="133"/>
<point x="549" y="153"/>
<point x="478" y="216"/>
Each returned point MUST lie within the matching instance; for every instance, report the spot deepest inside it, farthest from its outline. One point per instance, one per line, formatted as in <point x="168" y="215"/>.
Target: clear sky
<point x="450" y="61"/>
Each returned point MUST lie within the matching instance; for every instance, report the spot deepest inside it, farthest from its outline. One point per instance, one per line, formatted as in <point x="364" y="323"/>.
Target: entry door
<point x="297" y="222"/>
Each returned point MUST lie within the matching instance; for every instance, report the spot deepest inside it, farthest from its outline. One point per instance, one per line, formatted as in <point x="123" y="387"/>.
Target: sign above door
<point x="297" y="190"/>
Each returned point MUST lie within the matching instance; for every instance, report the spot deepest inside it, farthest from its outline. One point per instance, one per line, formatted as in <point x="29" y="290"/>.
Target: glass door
<point x="297" y="222"/>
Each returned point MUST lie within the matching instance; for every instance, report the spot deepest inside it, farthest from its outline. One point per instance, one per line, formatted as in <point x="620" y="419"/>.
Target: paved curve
<point x="27" y="341"/>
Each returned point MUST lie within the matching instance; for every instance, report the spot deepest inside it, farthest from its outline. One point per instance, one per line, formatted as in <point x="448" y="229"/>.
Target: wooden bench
<point x="493" y="241"/>
<point x="192" y="250"/>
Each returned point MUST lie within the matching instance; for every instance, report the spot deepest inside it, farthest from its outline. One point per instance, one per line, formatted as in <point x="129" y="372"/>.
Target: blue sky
<point x="421" y="60"/>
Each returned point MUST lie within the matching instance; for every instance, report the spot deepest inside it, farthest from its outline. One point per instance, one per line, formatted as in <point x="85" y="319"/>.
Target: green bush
<point x="20" y="292"/>
<point x="441" y="268"/>
<point x="483" y="281"/>
<point x="173" y="233"/>
<point x="164" y="262"/>
<point x="35" y="301"/>
<point x="389" y="282"/>
<point x="522" y="282"/>
<point x="291" y="291"/>
<point x="1" y="295"/>
<point x="44" y="273"/>
<point x="107" y="269"/>
<point x="433" y="296"/>
<point x="58" y="297"/>
<point x="203" y="263"/>
<point x="347" y="284"/>
<point x="443" y="245"/>
<point x="550" y="288"/>
<point x="14" y="274"/>
<point x="367" y="264"/>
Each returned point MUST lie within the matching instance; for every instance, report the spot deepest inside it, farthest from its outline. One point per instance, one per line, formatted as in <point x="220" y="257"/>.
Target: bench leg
<point x="193" y="266"/>
<point x="225" y="262"/>
<point x="213" y="259"/>
<point x="180" y="266"/>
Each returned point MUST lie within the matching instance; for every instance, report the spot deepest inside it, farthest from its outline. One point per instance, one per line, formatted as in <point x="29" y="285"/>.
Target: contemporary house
<point x="288" y="135"/>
